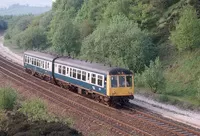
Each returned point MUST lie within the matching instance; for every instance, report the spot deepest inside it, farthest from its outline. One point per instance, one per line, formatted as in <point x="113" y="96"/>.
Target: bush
<point x="139" y="80"/>
<point x="35" y="109"/>
<point x="187" y="33"/>
<point x="8" y="98"/>
<point x="153" y="75"/>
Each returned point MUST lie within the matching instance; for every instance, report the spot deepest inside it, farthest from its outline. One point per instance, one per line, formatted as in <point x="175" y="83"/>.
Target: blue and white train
<point x="103" y="83"/>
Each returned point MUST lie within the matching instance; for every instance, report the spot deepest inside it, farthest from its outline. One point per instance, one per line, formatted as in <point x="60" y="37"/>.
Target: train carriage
<point x="39" y="64"/>
<point x="102" y="82"/>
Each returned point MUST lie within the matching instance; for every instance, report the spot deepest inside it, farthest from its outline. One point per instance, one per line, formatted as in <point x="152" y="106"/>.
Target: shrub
<point x="35" y="109"/>
<point x="187" y="33"/>
<point x="153" y="75"/>
<point x="139" y="80"/>
<point x="8" y="98"/>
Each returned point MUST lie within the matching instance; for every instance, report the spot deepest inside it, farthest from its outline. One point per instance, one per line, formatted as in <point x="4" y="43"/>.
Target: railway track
<point x="123" y="122"/>
<point x="66" y="101"/>
<point x="162" y="123"/>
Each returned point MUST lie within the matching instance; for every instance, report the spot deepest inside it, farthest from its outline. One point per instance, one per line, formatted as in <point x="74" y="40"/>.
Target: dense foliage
<point x="8" y="98"/>
<point x="187" y="33"/>
<point x="120" y="42"/>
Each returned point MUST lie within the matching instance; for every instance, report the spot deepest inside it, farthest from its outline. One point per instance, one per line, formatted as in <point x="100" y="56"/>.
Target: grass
<point x="182" y="80"/>
<point x="8" y="97"/>
<point x="182" y="77"/>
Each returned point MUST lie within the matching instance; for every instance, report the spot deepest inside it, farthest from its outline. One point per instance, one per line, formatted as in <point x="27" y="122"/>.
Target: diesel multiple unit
<point x="103" y="83"/>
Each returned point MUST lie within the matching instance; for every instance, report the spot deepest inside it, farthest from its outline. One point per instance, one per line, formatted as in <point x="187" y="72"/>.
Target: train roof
<point x="41" y="55"/>
<point x="93" y="67"/>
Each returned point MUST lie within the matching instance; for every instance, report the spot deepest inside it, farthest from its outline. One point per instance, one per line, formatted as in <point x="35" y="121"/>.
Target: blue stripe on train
<point x="82" y="84"/>
<point x="69" y="79"/>
<point x="40" y="70"/>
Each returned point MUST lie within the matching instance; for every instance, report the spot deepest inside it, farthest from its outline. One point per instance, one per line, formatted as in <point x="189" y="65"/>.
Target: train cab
<point x="120" y="84"/>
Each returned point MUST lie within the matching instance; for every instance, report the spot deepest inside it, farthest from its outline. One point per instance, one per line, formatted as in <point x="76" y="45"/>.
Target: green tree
<point x="116" y="8"/>
<point x="32" y="38"/>
<point x="16" y="25"/>
<point x="120" y="43"/>
<point x="145" y="14"/>
<point x="187" y="33"/>
<point x="153" y="75"/>
<point x="45" y="20"/>
<point x="86" y="28"/>
<point x="66" y="38"/>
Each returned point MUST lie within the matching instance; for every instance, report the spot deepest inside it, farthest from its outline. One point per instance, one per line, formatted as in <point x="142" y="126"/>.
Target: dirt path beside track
<point x="6" y="52"/>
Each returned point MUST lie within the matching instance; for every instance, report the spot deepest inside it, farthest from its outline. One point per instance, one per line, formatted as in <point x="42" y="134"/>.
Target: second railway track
<point x="122" y="122"/>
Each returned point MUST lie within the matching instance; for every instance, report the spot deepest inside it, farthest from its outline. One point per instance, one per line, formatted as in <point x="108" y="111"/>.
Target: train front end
<point x="120" y="85"/>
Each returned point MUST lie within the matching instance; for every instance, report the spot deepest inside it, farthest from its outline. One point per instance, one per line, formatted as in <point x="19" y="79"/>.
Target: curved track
<point x="122" y="122"/>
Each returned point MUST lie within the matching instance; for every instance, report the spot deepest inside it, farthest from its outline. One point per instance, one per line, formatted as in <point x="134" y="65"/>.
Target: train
<point x="106" y="84"/>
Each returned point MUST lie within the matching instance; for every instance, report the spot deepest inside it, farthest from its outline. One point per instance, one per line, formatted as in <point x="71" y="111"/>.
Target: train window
<point x="100" y="80"/>
<point x="42" y="64"/>
<point x="83" y="76"/>
<point x="28" y="60"/>
<point x="94" y="78"/>
<point x="67" y="70"/>
<point x="122" y="82"/>
<point x="64" y="70"/>
<point x="71" y="72"/>
<point x="78" y="74"/>
<point x="48" y="66"/>
<point x="59" y="69"/>
<point x="129" y="81"/>
<point x="39" y="63"/>
<point x="88" y="77"/>
<point x="32" y="61"/>
<point x="45" y="65"/>
<point x="35" y="62"/>
<point x="74" y="73"/>
<point x="113" y="81"/>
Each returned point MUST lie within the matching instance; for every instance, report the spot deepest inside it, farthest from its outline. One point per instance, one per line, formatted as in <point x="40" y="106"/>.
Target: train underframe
<point x="107" y="100"/>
